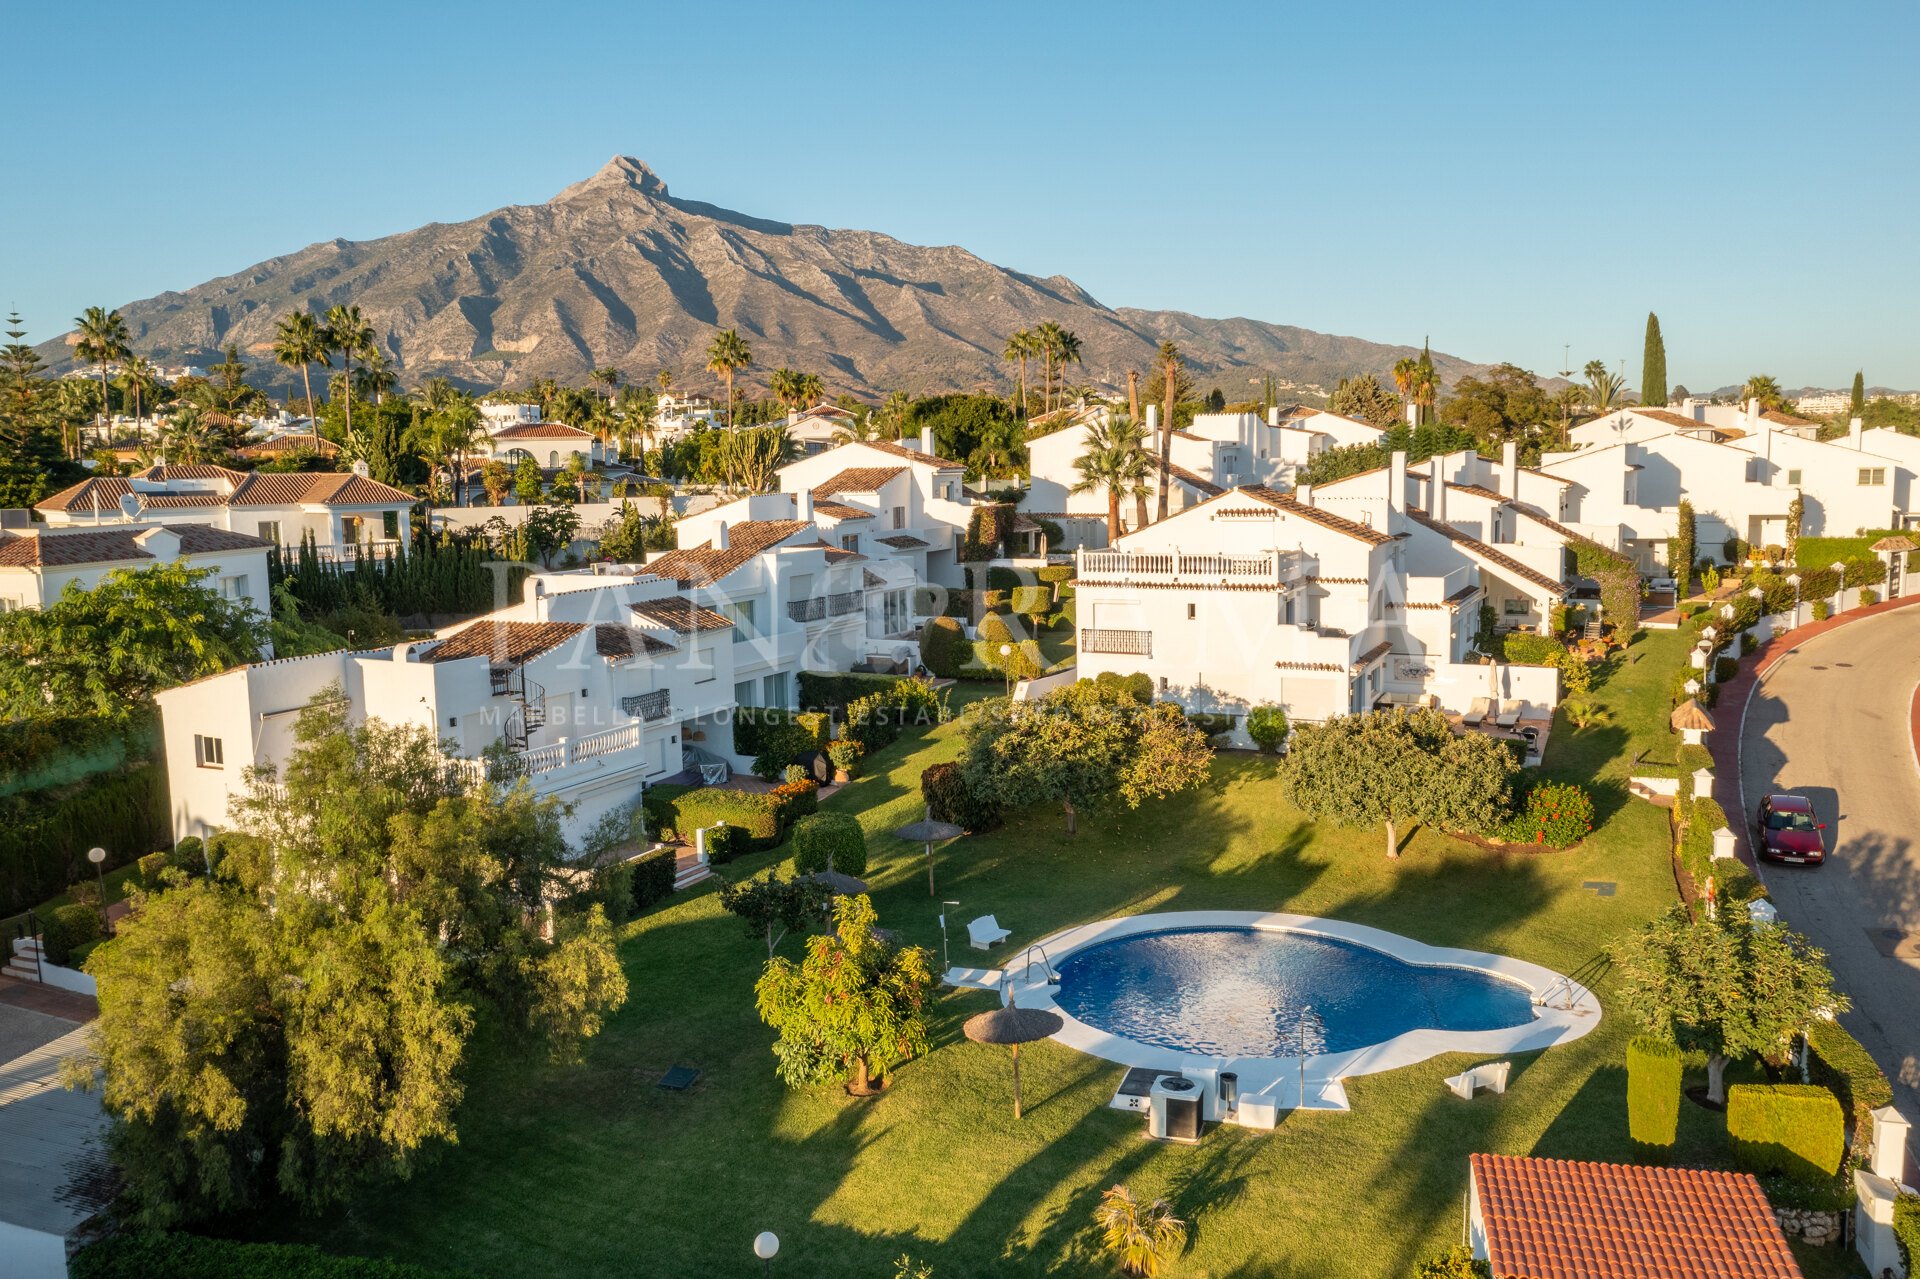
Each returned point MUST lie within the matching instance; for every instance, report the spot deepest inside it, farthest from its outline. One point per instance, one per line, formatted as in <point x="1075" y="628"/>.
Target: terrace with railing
<point x="1251" y="569"/>
<point x="1108" y="640"/>
<point x="649" y="706"/>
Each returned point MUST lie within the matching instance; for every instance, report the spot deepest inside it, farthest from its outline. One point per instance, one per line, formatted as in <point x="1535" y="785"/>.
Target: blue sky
<point x="1508" y="178"/>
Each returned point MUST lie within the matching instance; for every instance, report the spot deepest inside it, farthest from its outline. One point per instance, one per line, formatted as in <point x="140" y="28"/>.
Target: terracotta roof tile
<point x="902" y="542"/>
<point x="44" y="548"/>
<point x="1478" y="550"/>
<point x="506" y="643"/>
<point x="1474" y="490"/>
<point x="1193" y="481"/>
<point x="678" y="613"/>
<point x="610" y="640"/>
<point x="858" y="479"/>
<point x="912" y="455"/>
<point x="1372" y="655"/>
<point x="1561" y="1219"/>
<point x="542" y="431"/>
<point x="190" y="471"/>
<point x="696" y="565"/>
<point x="287" y="445"/>
<point x="1786" y="419"/>
<point x="1326" y="519"/>
<point x="841" y="511"/>
<point x="102" y="492"/>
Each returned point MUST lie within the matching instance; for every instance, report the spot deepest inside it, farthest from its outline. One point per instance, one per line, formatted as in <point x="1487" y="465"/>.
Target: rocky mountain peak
<point x="623" y="172"/>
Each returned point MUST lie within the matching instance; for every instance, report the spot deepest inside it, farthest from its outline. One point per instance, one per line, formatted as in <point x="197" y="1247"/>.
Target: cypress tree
<point x="1859" y="392"/>
<point x="1653" y="365"/>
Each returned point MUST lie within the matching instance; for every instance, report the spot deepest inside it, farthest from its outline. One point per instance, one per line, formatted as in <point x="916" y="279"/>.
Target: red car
<point x="1787" y="831"/>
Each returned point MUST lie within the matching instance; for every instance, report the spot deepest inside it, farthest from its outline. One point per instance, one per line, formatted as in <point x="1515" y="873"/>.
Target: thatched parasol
<point x="929" y="832"/>
<point x="1894" y="545"/>
<point x="1013" y="1026"/>
<point x="1691" y="714"/>
<point x="837" y="884"/>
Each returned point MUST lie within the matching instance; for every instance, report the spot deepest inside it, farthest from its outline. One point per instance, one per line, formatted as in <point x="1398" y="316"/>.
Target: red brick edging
<point x="1730" y="707"/>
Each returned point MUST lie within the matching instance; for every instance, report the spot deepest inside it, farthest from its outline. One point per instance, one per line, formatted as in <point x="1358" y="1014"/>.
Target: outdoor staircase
<point x="687" y="876"/>
<point x="23" y="962"/>
<point x="530" y="705"/>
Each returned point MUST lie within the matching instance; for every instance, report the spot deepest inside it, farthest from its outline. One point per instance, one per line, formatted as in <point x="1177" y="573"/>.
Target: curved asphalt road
<point x="1832" y="721"/>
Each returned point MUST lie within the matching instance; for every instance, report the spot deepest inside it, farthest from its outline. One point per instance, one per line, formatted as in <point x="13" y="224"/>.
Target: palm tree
<point x="1002" y="449"/>
<point x="140" y="382"/>
<point x="665" y="378"/>
<point x="1765" y="389"/>
<point x="300" y="340"/>
<point x="102" y="340"/>
<point x="1143" y="1238"/>
<point x="1170" y="375"/>
<point x="377" y="378"/>
<point x="810" y="389"/>
<point x="608" y="377"/>
<point x="1602" y="391"/>
<point x="1115" y="459"/>
<point x="544" y="390"/>
<point x="436" y="395"/>
<point x="348" y="333"/>
<point x="726" y="356"/>
<point x="1426" y="389"/>
<point x="192" y="437"/>
<point x="894" y="411"/>
<point x="1405" y="373"/>
<point x="1020" y="345"/>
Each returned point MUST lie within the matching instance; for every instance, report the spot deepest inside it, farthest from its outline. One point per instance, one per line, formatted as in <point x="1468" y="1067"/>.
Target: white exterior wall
<point x="23" y="587"/>
<point x="32" y="1254"/>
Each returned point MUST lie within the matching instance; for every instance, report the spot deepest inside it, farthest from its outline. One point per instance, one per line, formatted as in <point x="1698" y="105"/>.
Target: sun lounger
<point x="972" y="978"/>
<point x="1491" y="1077"/>
<point x="1509" y="715"/>
<point x="1478" y="711"/>
<point x="985" y="933"/>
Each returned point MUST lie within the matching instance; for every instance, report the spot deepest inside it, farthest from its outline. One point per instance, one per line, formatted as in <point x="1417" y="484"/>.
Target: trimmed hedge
<point x="827" y="691"/>
<point x="757" y="813"/>
<point x="45" y="834"/>
<point x="1906" y="1229"/>
<point x="944" y="788"/>
<point x="1031" y="601"/>
<point x="944" y="647"/>
<point x="1653" y="1091"/>
<point x="1725" y="668"/>
<point x="1138" y="685"/>
<point x="1523" y="648"/>
<point x="1054" y="574"/>
<point x="829" y="841"/>
<point x="724" y="843"/>
<point x="1267" y="726"/>
<point x="653" y="876"/>
<point x="146" y="1256"/>
<point x="69" y="927"/>
<point x="1796" y="1129"/>
<point x="1839" y="1061"/>
<point x="993" y="632"/>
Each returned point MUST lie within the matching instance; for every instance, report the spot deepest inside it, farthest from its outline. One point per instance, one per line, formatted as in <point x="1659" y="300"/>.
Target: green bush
<point x="1734" y="885"/>
<point x="1023" y="659"/>
<point x="658" y="809"/>
<point x="779" y="749"/>
<point x="189" y="855"/>
<point x="1523" y="648"/>
<point x="828" y="691"/>
<point x="794" y="800"/>
<point x="944" y="647"/>
<point x="994" y="630"/>
<point x="1210" y="723"/>
<point x="1553" y="814"/>
<point x="1906" y="1228"/>
<point x="150" y="867"/>
<point x="724" y="843"/>
<point x="1001" y="578"/>
<point x="1032" y="601"/>
<point x="1065" y="591"/>
<point x="846" y="755"/>
<point x="993" y="601"/>
<point x="755" y="812"/>
<point x="150" y="1256"/>
<point x="1869" y="597"/>
<point x="1821" y="610"/>
<point x="68" y="928"/>
<point x="1267" y="726"/>
<point x="1836" y="1059"/>
<point x="1053" y="574"/>
<point x="944" y="788"/>
<point x="653" y="876"/>
<point x="1455" y="1263"/>
<point x="1653" y="1091"/>
<point x="45" y="834"/>
<point x="1795" y="1129"/>
<point x="1138" y="685"/>
<point x="829" y="841"/>
<point x="1060" y="622"/>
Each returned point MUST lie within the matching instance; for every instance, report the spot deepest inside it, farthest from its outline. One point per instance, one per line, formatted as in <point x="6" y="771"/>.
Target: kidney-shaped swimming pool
<point x="1266" y="992"/>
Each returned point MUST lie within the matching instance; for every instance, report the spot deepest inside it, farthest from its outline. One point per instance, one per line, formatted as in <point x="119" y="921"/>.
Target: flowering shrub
<point x="1554" y="815"/>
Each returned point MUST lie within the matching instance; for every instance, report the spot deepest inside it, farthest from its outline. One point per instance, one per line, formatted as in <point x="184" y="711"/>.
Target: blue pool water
<point x="1241" y="992"/>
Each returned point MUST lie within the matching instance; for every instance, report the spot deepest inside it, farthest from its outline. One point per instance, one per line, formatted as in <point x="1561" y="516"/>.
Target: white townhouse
<point x="551" y="445"/>
<point x="597" y="683"/>
<point x="1218" y="452"/>
<point x="1627" y="495"/>
<point x="818" y="428"/>
<point x="1368" y="598"/>
<point x="897" y="500"/>
<point x="338" y="511"/>
<point x="37" y="564"/>
<point x="677" y="415"/>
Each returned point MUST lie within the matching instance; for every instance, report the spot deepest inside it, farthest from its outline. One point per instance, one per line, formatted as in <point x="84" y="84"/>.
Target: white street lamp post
<point x="98" y="856"/>
<point x="766" y="1245"/>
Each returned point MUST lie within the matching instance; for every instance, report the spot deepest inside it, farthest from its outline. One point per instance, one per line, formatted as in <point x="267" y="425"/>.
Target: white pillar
<point x="1703" y="783"/>
<point x="1723" y="844"/>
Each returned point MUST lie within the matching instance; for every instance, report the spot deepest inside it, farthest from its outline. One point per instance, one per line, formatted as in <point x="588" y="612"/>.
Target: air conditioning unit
<point x="1173" y="1109"/>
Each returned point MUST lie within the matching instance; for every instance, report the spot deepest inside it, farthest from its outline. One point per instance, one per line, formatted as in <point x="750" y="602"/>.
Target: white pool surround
<point x="1270" y="1084"/>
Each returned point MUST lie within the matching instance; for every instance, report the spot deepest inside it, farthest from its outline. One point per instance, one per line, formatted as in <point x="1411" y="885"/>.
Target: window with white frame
<point x="774" y="689"/>
<point x="1793" y="479"/>
<point x="208" y="752"/>
<point x="1873" y="476"/>
<point x="1514" y="607"/>
<point x="743" y="692"/>
<point x="745" y="618"/>
<point x="390" y="525"/>
<point x="269" y="530"/>
<point x="234" y="587"/>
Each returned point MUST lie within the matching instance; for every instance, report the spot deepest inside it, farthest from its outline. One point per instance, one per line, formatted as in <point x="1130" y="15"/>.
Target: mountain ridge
<point x="615" y="269"/>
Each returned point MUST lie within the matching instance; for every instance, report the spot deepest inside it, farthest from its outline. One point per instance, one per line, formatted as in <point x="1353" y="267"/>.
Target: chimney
<point x="1397" y="482"/>
<point x="1510" y="470"/>
<point x="1303" y="494"/>
<point x="1853" y="432"/>
<point x="1153" y="418"/>
<point x="1273" y="415"/>
<point x="720" y="539"/>
<point x="926" y="440"/>
<point x="1436" y="489"/>
<point x="803" y="504"/>
<point x="1413" y="415"/>
<point x="1753" y="413"/>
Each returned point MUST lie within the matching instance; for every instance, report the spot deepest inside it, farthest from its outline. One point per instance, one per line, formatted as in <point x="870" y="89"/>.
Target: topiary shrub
<point x="1060" y="622"/>
<point x="794" y="800"/>
<point x="829" y="841"/>
<point x="1210" y="723"/>
<point x="1868" y="597"/>
<point x="1821" y="610"/>
<point x="1054" y="574"/>
<point x="1031" y="601"/>
<point x="1795" y="1129"/>
<point x="1725" y="668"/>
<point x="944" y="647"/>
<point x="68" y="928"/>
<point x="1267" y="726"/>
<point x="150" y="867"/>
<point x="1523" y="648"/>
<point x="994" y="630"/>
<point x="944" y="788"/>
<point x="653" y="876"/>
<point x="846" y="754"/>
<point x="755" y="812"/>
<point x="1553" y="814"/>
<point x="1653" y="1092"/>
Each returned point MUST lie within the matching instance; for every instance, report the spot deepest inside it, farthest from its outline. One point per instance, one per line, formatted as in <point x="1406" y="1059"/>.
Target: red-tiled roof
<point x="696" y="565"/>
<point x="1562" y="1219"/>
<point x="190" y="471"/>
<point x="1326" y="519"/>
<point x="102" y="492"/>
<point x="911" y="455"/>
<point x="610" y="640"/>
<point x="506" y="643"/>
<point x="858" y="479"/>
<point x="542" y="431"/>
<point x="1193" y="481"/>
<point x="316" y="488"/>
<point x="1505" y="564"/>
<point x="48" y="548"/>
<point x="841" y="511"/>
<point x="286" y="445"/>
<point x="1786" y="419"/>
<point x="678" y="613"/>
<point x="903" y="542"/>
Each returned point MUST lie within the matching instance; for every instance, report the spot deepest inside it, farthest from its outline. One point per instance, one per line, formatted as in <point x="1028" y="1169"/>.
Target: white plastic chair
<point x="985" y="933"/>
<point x="1492" y="1077"/>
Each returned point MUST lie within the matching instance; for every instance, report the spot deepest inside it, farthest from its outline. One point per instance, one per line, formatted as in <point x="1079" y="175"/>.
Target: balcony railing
<point x="567" y="751"/>
<point x="347" y="552"/>
<point x="843" y="603"/>
<point x="1265" y="566"/>
<point x="649" y="706"/>
<point x="1135" y="643"/>
<point x="811" y="610"/>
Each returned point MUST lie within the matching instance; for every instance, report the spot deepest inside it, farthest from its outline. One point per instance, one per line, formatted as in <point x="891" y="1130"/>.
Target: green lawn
<point x="591" y="1170"/>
